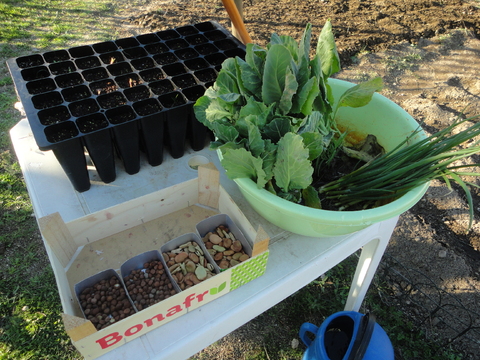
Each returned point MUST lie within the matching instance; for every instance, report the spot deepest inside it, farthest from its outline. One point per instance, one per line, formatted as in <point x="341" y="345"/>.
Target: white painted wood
<point x="294" y="260"/>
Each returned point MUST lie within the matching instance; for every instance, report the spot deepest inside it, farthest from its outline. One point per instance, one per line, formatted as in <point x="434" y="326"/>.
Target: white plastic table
<point x="294" y="260"/>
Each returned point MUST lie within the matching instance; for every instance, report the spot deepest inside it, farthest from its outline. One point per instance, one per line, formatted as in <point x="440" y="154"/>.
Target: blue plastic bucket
<point x="346" y="335"/>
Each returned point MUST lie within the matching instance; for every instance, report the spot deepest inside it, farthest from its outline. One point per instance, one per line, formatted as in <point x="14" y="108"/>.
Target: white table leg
<point x="370" y="257"/>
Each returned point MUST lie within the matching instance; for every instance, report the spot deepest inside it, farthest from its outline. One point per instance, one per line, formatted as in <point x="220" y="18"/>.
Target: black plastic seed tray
<point x="122" y="97"/>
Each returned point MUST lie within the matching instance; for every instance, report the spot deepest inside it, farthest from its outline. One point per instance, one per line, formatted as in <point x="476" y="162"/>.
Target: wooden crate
<point x="105" y="239"/>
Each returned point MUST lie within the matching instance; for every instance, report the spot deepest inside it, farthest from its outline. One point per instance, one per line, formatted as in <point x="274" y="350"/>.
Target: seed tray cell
<point x="56" y="56"/>
<point x="150" y="80"/>
<point x="104" y="47"/>
<point x="112" y="57"/>
<point x="65" y="81"/>
<point x="187" y="30"/>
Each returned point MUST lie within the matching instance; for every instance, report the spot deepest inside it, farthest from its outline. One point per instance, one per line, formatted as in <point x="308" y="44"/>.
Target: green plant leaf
<point x="223" y="132"/>
<point x="228" y="66"/>
<point x="314" y="143"/>
<point x="276" y="65"/>
<point x="323" y="101"/>
<point x="269" y="156"/>
<point x="253" y="107"/>
<point x="239" y="163"/>
<point x="311" y="93"/>
<point x="229" y="98"/>
<point x="238" y="77"/>
<point x="361" y="94"/>
<point x="226" y="82"/>
<point x="304" y="45"/>
<point x="256" y="111"/>
<point x="301" y="97"/>
<point x="255" y="57"/>
<point x="218" y="109"/>
<point x="288" y="42"/>
<point x="301" y="72"/>
<point x="255" y="142"/>
<point x="311" y="198"/>
<point x="252" y="81"/>
<point x="292" y="168"/>
<point x="289" y="91"/>
<point x="277" y="128"/>
<point x="311" y="122"/>
<point x="200" y="108"/>
<point x="223" y="147"/>
<point x="327" y="50"/>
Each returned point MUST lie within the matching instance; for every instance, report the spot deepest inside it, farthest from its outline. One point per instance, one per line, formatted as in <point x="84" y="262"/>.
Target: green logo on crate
<point x="155" y="321"/>
<point x="216" y="290"/>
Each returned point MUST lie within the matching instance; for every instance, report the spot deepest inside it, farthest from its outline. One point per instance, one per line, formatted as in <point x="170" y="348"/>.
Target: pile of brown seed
<point x="105" y="303"/>
<point x="225" y="249"/>
<point x="149" y="285"/>
<point x="188" y="265"/>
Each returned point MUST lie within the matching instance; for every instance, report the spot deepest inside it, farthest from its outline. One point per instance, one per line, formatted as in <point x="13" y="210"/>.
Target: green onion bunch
<point x="396" y="172"/>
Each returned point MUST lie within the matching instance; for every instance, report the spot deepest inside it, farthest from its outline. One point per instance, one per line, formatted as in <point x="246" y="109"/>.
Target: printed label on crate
<point x="155" y="316"/>
<point x="249" y="270"/>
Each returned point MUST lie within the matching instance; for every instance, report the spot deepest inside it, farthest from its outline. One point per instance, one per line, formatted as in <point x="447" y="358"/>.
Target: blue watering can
<point x="347" y="335"/>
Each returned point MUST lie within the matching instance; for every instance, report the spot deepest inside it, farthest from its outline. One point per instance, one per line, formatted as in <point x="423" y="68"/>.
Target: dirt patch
<point x="428" y="53"/>
<point x="359" y="25"/>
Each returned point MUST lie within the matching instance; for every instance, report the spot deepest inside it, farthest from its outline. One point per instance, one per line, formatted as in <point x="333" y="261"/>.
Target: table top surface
<point x="294" y="260"/>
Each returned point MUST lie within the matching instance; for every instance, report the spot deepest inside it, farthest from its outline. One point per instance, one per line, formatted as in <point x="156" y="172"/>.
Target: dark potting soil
<point x="41" y="86"/>
<point x="82" y="108"/>
<point x="138" y="93"/>
<point x="111" y="100"/>
<point x="103" y="87"/>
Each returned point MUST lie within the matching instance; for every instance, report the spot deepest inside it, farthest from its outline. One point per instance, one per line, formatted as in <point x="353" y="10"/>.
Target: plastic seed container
<point x="137" y="263"/>
<point x="122" y="97"/>
<point x="210" y="224"/>
<point x="118" y="292"/>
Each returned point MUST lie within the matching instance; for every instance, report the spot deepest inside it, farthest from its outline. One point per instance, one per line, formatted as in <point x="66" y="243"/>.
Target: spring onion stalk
<point x="396" y="172"/>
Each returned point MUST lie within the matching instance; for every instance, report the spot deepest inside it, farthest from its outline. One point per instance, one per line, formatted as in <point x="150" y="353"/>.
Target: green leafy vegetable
<point x="239" y="163"/>
<point x="273" y="116"/>
<point x="276" y="66"/>
<point x="272" y="112"/>
<point x="293" y="169"/>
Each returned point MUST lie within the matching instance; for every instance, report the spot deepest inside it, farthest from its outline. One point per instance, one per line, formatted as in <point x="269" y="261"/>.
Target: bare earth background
<point x="428" y="53"/>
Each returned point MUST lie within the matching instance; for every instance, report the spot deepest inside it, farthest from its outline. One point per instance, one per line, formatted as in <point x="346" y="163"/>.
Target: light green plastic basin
<point x="382" y="118"/>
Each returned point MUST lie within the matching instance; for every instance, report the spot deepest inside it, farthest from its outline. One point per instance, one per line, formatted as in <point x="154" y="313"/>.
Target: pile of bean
<point x="188" y="265"/>
<point x="149" y="285"/>
<point x="225" y="249"/>
<point x="105" y="303"/>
